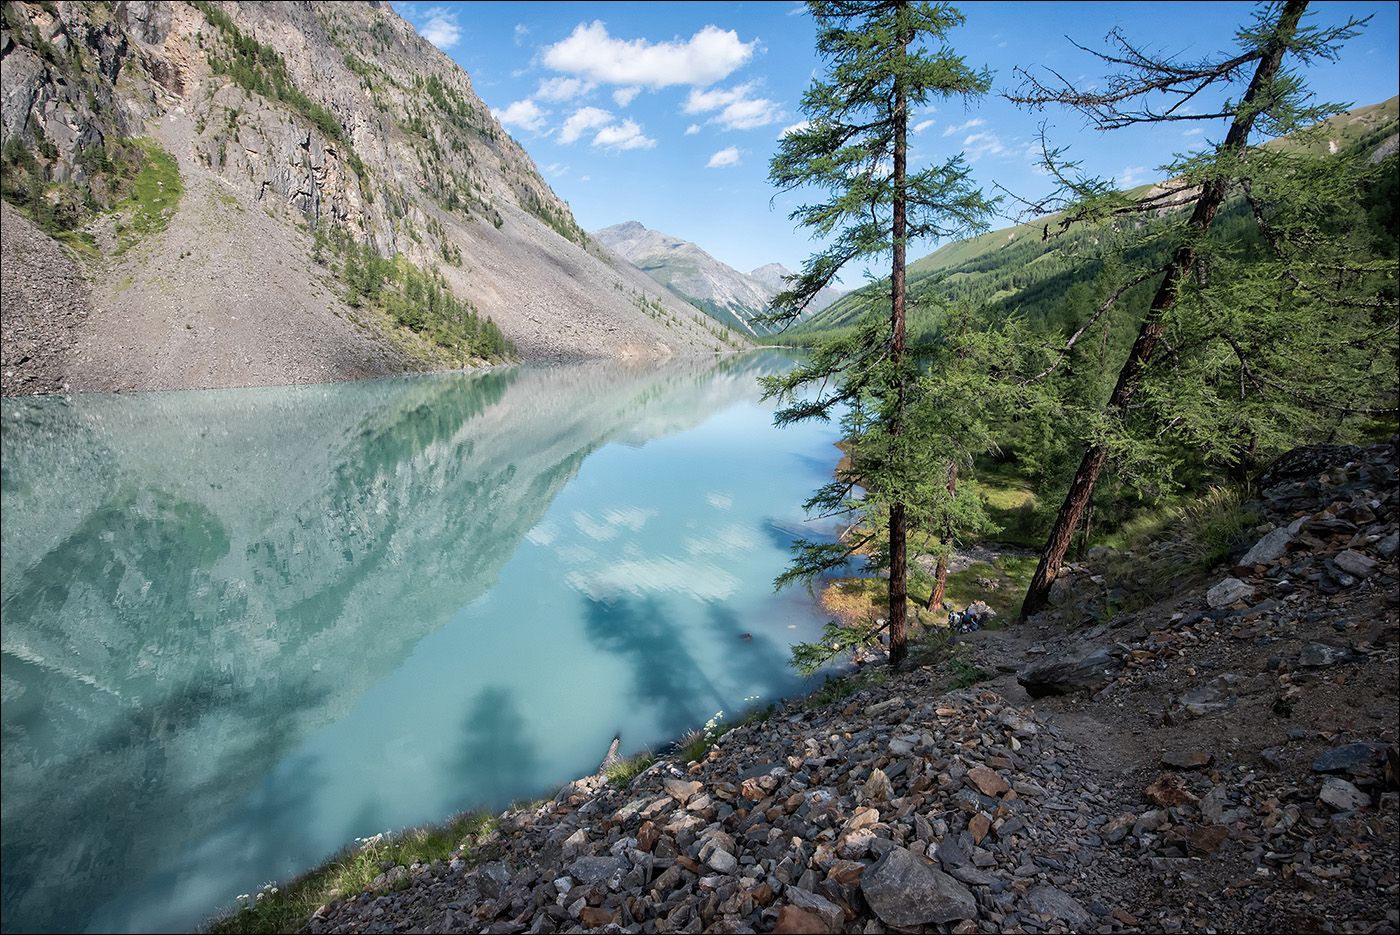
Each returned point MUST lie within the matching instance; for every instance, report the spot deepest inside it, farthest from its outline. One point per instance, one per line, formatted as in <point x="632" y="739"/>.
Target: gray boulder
<point x="904" y="889"/>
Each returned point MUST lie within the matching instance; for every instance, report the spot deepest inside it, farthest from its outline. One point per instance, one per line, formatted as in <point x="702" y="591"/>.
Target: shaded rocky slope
<point x="1221" y="765"/>
<point x="347" y="130"/>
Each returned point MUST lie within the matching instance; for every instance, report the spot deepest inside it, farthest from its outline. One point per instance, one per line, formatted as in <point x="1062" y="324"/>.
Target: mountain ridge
<point x="306" y="137"/>
<point x="726" y="294"/>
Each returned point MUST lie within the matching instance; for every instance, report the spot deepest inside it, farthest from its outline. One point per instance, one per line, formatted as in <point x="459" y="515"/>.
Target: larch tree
<point x="884" y="59"/>
<point x="1213" y="307"/>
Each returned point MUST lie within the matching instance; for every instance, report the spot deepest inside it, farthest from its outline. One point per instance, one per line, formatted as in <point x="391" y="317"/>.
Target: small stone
<point x="1049" y="901"/>
<point x="795" y="921"/>
<point x="854" y="845"/>
<point x="845" y="871"/>
<point x="1228" y="592"/>
<point x="1316" y="655"/>
<point x="832" y="916"/>
<point x="1169" y="791"/>
<point x="1348" y="757"/>
<point x="751" y="790"/>
<point x="680" y="790"/>
<point x="1269" y="549"/>
<point x="978" y="826"/>
<point x="987" y="781"/>
<point x="1191" y="759"/>
<point x="597" y="869"/>
<point x="1342" y="796"/>
<point x="1066" y="674"/>
<point x="593" y="917"/>
<point x="1355" y="563"/>
<point x="721" y="861"/>
<point x="575" y="842"/>
<point x="863" y="817"/>
<point x="950" y="855"/>
<point x="877" y="788"/>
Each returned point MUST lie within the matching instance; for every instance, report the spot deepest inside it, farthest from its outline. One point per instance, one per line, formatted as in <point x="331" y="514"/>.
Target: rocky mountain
<point x="725" y="294"/>
<point x="773" y="274"/>
<point x="258" y="193"/>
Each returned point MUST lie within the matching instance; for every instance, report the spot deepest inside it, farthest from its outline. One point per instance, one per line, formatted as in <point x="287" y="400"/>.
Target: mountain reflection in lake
<point x="243" y="627"/>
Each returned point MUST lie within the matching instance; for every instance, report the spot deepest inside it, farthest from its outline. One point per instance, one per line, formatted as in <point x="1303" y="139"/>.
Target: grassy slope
<point x="1021" y="247"/>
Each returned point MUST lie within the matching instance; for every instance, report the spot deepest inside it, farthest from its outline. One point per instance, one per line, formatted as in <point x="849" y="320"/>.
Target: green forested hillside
<point x="1048" y="277"/>
<point x="1051" y="281"/>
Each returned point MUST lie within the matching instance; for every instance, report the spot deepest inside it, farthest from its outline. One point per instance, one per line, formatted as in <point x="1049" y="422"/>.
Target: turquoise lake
<point x="242" y="628"/>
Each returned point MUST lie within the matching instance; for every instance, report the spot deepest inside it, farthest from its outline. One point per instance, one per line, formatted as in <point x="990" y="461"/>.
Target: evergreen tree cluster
<point x="1172" y="337"/>
<point x="420" y="301"/>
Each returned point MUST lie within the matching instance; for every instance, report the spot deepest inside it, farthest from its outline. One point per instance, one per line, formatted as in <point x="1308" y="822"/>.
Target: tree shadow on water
<point x="496" y="758"/>
<point x="754" y="661"/>
<point x="666" y="679"/>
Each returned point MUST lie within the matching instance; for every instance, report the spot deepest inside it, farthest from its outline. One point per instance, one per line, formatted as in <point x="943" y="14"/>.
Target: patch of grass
<point x="1010" y="576"/>
<point x="621" y="773"/>
<point x="286" y="907"/>
<point x="154" y="197"/>
<point x="842" y="687"/>
<point x="963" y="672"/>
<point x="1010" y="503"/>
<point x="854" y="600"/>
<point x="1192" y="537"/>
<point x="693" y="746"/>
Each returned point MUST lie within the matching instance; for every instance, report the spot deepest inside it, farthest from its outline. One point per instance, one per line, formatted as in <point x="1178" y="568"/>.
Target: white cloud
<point x="556" y="170"/>
<point x="1194" y="131"/>
<point x="982" y="144"/>
<point x="974" y="122"/>
<point x="583" y="120"/>
<point x="624" y="96"/>
<point x="729" y="156"/>
<point x="796" y="127"/>
<point x="719" y="500"/>
<point x="562" y="89"/>
<point x="524" y="114"/>
<point x="521" y="31"/>
<point x="639" y="577"/>
<point x="737" y="110"/>
<point x="612" y="524"/>
<point x="441" y="29"/>
<point x="624" y="135"/>
<point x="710" y="55"/>
<point x="731" y="540"/>
<point x="922" y="125"/>
<point x="1133" y="176"/>
<point x="693" y="129"/>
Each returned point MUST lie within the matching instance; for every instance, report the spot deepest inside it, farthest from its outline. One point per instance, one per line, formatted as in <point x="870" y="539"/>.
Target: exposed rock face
<point x="369" y="136"/>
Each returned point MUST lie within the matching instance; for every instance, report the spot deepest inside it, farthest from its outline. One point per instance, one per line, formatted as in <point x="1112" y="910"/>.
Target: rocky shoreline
<point x="1198" y="765"/>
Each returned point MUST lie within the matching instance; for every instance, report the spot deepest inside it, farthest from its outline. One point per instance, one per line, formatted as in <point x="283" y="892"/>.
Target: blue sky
<point x="667" y="113"/>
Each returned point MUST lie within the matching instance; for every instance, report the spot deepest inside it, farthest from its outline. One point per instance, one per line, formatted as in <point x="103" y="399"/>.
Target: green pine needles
<point x="884" y="60"/>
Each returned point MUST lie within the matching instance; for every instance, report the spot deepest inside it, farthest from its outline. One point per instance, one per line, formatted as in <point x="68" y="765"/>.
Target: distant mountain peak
<point x="725" y="294"/>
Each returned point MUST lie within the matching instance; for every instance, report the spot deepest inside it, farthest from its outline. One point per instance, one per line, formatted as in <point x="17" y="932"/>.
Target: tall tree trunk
<point x="899" y="569"/>
<point x="1207" y="204"/>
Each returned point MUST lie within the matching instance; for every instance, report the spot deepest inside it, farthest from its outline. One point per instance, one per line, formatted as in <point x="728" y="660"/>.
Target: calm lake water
<point x="244" y="627"/>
